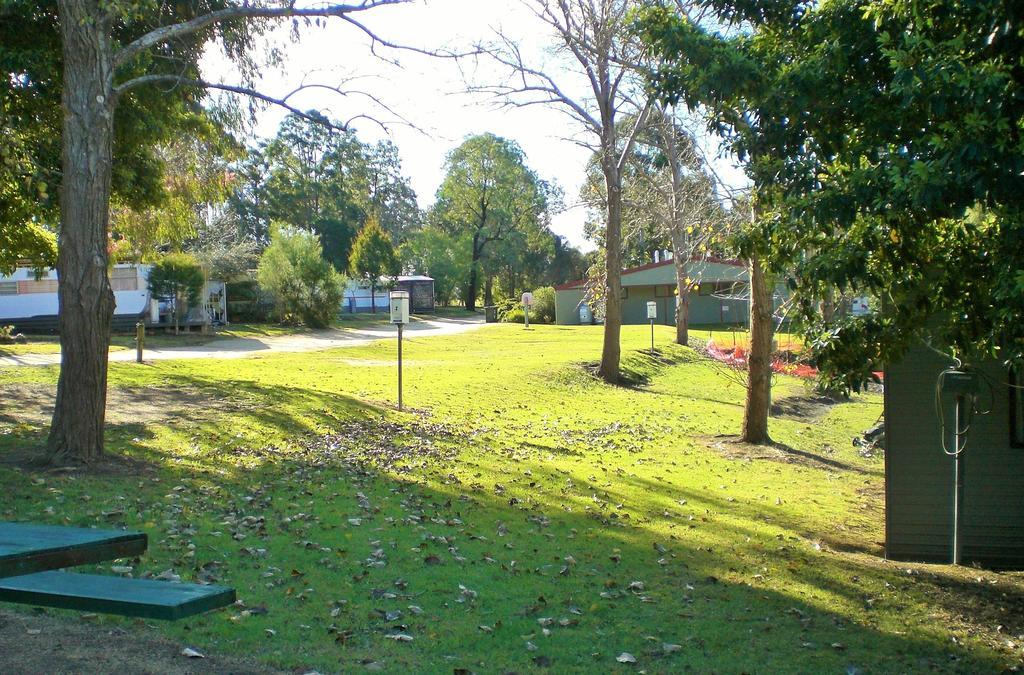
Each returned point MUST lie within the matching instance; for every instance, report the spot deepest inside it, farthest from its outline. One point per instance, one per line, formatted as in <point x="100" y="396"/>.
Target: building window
<point x="664" y="291"/>
<point x="38" y="286"/>
<point x="624" y="294"/>
<point x="1017" y="407"/>
<point x="8" y="287"/>
<point x="124" y="279"/>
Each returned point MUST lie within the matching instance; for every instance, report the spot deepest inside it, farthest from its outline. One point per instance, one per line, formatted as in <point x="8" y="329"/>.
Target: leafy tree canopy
<point x="886" y="142"/>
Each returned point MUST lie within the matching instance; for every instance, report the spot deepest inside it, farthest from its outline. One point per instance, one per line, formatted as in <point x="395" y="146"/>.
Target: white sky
<point x="429" y="92"/>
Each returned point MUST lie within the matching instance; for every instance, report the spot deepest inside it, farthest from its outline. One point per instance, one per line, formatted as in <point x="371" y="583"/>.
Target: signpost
<point x="652" y="314"/>
<point x="399" y="301"/>
<point x="527" y="303"/>
<point x="140" y="340"/>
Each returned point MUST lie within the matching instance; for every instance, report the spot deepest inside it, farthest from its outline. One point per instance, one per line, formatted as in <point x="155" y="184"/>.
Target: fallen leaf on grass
<point x="191" y="653"/>
<point x="625" y="657"/>
<point x="400" y="637"/>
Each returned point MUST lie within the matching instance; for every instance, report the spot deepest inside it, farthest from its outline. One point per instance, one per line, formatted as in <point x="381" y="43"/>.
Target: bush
<point x="248" y="303"/>
<point x="177" y="277"/>
<point x="306" y="288"/>
<point x="513" y="315"/>
<point x="543" y="310"/>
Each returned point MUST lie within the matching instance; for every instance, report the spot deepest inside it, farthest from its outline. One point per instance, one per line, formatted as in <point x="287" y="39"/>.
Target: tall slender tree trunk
<point x="682" y="264"/>
<point x="373" y="298"/>
<point x="474" y="276"/>
<point x="489" y="291"/>
<point x="611" y="351"/>
<point x="85" y="299"/>
<point x="759" y="366"/>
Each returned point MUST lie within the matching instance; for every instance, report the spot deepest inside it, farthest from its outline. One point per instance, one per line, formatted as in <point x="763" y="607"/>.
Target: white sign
<point x="399" y="301"/>
<point x="652" y="310"/>
<point x="527" y="299"/>
<point x="859" y="306"/>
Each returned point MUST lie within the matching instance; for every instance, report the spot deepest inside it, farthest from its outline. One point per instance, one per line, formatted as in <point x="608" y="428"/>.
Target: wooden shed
<point x="919" y="475"/>
<point x="421" y="292"/>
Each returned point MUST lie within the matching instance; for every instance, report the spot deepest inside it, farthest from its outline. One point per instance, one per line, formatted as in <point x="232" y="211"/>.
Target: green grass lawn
<point x="519" y="515"/>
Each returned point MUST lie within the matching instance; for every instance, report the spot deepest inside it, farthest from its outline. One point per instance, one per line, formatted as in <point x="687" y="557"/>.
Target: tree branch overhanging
<point x="165" y="33"/>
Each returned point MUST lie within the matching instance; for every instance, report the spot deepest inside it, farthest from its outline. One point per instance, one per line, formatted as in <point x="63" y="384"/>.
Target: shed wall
<point x="919" y="477"/>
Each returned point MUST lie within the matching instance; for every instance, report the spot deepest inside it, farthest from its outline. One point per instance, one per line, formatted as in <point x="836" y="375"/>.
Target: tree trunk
<point x="85" y="299"/>
<point x="489" y="291"/>
<point x="611" y="351"/>
<point x="681" y="260"/>
<point x="759" y="366"/>
<point x="373" y="298"/>
<point x="470" y="294"/>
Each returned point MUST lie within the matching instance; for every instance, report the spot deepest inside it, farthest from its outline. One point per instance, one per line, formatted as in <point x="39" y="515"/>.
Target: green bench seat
<point x="114" y="595"/>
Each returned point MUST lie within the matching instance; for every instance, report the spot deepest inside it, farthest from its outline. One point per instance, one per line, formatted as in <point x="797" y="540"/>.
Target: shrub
<point x="177" y="277"/>
<point x="306" y="288"/>
<point x="543" y="310"/>
<point x="513" y="315"/>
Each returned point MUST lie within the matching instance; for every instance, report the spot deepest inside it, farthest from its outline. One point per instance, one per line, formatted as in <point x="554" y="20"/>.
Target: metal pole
<point x="652" y="337"/>
<point x="140" y="340"/>
<point x="399" y="366"/>
<point x="958" y="482"/>
<point x="526" y="311"/>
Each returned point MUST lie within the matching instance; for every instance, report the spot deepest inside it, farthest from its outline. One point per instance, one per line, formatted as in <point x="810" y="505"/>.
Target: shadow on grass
<point x="344" y="483"/>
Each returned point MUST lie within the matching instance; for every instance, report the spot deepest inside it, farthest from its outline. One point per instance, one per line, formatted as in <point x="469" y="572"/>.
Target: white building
<point x="29" y="302"/>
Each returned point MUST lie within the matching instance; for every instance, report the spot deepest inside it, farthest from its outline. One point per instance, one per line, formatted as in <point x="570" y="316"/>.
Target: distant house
<point x="29" y="302"/>
<point x="358" y="296"/>
<point x="720" y="296"/>
<point x="919" y="476"/>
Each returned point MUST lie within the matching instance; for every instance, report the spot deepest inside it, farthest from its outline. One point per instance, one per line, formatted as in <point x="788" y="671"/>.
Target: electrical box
<point x="958" y="383"/>
<point x="527" y="299"/>
<point x="399" y="307"/>
<point x="652" y="310"/>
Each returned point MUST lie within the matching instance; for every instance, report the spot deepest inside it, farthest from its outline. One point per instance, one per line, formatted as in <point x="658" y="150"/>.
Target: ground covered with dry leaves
<point x="519" y="516"/>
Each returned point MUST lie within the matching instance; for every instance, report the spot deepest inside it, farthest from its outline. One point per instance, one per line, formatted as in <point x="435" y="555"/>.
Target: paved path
<point x="236" y="348"/>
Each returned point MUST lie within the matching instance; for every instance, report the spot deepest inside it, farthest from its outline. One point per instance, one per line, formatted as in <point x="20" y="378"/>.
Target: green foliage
<point x="31" y="122"/>
<point x="441" y="256"/>
<point x="543" y="310"/>
<point x="510" y="312"/>
<point x="177" y="277"/>
<point x="195" y="174"/>
<point x="498" y="207"/>
<point x="885" y="143"/>
<point x="305" y="287"/>
<point x="373" y="256"/>
<point x="318" y="178"/>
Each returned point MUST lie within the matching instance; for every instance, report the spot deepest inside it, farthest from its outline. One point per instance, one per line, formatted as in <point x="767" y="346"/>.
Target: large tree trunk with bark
<point x="759" y="366"/>
<point x="611" y="351"/>
<point x="85" y="299"/>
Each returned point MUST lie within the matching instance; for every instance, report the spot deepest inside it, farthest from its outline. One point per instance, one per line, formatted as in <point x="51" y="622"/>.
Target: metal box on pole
<point x="652" y="314"/>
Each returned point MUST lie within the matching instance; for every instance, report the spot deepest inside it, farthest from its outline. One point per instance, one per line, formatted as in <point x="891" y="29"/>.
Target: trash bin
<point x="491" y="314"/>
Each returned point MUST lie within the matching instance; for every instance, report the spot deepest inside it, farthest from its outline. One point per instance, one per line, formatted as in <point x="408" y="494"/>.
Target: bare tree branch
<point x="244" y="11"/>
<point x="280" y="101"/>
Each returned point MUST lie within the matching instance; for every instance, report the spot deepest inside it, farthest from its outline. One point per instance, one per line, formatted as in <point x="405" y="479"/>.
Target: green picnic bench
<point x="30" y="554"/>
